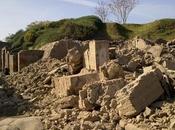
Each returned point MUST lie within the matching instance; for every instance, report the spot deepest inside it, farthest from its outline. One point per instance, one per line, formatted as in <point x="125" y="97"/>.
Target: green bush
<point x="30" y="36"/>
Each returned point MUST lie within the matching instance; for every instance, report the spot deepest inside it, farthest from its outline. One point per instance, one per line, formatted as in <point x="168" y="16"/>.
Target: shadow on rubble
<point x="11" y="103"/>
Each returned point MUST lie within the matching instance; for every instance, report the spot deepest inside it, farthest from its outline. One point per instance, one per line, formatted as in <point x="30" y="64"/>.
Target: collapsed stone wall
<point x="58" y="50"/>
<point x="14" y="62"/>
<point x="27" y="57"/>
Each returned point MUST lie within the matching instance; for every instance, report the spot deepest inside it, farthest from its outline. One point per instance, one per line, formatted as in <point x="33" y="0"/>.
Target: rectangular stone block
<point x="7" y="65"/>
<point x="13" y="61"/>
<point x="97" y="54"/>
<point x="4" y="58"/>
<point x="70" y="85"/>
<point x="3" y="46"/>
<point x="139" y="94"/>
<point x="26" y="57"/>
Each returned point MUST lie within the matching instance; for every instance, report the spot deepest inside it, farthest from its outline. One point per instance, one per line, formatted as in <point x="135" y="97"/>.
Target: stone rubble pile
<point x="133" y="89"/>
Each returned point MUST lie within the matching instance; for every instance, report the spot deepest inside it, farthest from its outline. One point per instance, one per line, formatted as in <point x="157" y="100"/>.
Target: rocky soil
<point x="133" y="73"/>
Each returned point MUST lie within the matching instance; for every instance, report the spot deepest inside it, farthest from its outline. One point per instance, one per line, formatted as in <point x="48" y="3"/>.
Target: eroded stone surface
<point x="137" y="95"/>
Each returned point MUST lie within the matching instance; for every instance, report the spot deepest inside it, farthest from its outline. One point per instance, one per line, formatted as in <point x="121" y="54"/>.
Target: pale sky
<point x="17" y="14"/>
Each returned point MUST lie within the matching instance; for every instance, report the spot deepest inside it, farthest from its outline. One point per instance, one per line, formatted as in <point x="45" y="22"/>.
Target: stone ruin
<point x="126" y="91"/>
<point x="15" y="62"/>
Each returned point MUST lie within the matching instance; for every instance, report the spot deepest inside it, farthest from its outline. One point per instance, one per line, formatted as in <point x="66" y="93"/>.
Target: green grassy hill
<point x="87" y="28"/>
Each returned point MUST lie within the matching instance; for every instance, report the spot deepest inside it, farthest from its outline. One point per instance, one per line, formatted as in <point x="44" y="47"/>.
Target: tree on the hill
<point x="122" y="8"/>
<point x="102" y="10"/>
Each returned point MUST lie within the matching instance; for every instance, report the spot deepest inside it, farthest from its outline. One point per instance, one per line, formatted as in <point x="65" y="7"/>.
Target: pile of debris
<point x="133" y="90"/>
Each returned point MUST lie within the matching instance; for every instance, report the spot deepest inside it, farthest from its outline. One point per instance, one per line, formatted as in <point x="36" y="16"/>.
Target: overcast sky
<point x="17" y="14"/>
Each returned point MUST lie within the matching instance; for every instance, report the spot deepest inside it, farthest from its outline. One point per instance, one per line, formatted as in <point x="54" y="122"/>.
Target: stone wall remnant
<point x="26" y="57"/>
<point x="96" y="55"/>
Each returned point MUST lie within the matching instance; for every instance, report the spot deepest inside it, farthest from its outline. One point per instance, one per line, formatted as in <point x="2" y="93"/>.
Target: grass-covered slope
<point x="164" y="28"/>
<point x="87" y="28"/>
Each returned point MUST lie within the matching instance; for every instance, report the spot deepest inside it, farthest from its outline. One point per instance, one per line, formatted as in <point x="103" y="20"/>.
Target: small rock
<point x="147" y="112"/>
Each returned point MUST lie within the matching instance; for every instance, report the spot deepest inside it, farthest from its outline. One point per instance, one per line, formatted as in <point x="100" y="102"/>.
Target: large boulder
<point x="139" y="94"/>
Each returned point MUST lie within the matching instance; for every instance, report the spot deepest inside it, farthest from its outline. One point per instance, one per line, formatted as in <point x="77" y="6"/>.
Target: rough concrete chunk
<point x="70" y="85"/>
<point x="139" y="94"/>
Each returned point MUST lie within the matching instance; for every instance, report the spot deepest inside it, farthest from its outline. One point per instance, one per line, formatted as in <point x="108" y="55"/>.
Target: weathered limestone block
<point x="3" y="52"/>
<point x="156" y="50"/>
<point x="139" y="94"/>
<point x="13" y="63"/>
<point x="70" y="85"/>
<point x="7" y="55"/>
<point x="2" y="46"/>
<point x="96" y="55"/>
<point x="140" y="43"/>
<point x="59" y="49"/>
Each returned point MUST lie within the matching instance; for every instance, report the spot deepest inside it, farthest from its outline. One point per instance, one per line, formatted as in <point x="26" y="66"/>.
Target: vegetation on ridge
<point x="87" y="28"/>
